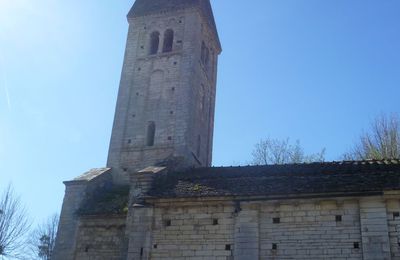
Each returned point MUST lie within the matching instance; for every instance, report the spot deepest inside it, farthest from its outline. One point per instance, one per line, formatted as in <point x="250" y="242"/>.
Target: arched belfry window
<point x="154" y="42"/>
<point x="168" y="40"/>
<point x="151" y="133"/>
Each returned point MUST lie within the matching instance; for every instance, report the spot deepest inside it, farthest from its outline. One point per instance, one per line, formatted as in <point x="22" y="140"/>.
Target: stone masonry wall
<point x="393" y="218"/>
<point x="101" y="238"/>
<point x="310" y="230"/>
<point x="337" y="228"/>
<point x="193" y="232"/>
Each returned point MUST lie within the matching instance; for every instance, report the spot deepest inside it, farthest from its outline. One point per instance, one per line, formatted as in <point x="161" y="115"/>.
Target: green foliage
<point x="45" y="248"/>
<point x="43" y="238"/>
<point x="106" y="202"/>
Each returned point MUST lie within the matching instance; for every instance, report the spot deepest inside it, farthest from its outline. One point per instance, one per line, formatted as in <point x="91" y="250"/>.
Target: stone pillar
<point x="75" y="192"/>
<point x="140" y="215"/>
<point x="140" y="232"/>
<point x="247" y="244"/>
<point x="68" y="225"/>
<point x="374" y="229"/>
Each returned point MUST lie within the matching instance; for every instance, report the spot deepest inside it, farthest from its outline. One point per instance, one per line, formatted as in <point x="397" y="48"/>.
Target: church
<point x="159" y="197"/>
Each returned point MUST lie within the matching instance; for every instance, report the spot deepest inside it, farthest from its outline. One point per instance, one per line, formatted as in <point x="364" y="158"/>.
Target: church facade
<point x="159" y="197"/>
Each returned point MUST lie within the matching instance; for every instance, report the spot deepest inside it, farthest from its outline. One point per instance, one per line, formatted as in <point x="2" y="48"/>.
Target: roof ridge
<point x="393" y="161"/>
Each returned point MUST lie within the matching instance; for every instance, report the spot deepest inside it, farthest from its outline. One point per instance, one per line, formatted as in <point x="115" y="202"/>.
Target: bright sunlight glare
<point x="10" y="9"/>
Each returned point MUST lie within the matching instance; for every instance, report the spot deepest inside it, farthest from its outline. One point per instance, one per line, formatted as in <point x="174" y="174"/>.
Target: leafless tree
<point x="275" y="151"/>
<point x="14" y="225"/>
<point x="43" y="238"/>
<point x="382" y="141"/>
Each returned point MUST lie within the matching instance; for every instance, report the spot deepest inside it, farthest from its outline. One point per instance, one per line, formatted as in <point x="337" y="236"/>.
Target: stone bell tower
<point x="166" y="99"/>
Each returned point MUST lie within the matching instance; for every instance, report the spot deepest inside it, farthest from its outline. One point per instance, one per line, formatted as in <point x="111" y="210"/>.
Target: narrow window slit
<point x="151" y="132"/>
<point x="198" y="150"/>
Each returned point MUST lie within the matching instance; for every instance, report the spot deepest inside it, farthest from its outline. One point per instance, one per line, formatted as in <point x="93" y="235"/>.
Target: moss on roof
<point x="104" y="201"/>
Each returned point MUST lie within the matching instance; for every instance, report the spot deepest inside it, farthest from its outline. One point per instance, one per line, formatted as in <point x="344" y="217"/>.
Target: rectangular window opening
<point x="167" y="223"/>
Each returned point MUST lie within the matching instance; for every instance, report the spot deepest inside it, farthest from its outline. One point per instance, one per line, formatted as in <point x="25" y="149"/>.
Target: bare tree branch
<point x="382" y="141"/>
<point x="14" y="224"/>
<point x="43" y="238"/>
<point x="275" y="151"/>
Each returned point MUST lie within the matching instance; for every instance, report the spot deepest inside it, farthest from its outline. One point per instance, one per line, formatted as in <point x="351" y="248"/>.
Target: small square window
<point x="396" y="214"/>
<point x="155" y="246"/>
<point x="356" y="245"/>
<point x="274" y="246"/>
<point x="215" y="222"/>
<point x="338" y="218"/>
<point x="167" y="223"/>
<point x="276" y="220"/>
<point x="228" y="247"/>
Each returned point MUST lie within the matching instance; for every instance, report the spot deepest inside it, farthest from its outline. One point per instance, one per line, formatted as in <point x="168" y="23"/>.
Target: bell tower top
<point x="166" y="101"/>
<point x="149" y="7"/>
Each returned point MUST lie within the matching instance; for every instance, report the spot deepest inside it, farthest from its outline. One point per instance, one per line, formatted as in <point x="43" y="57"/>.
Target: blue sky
<point x="317" y="71"/>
